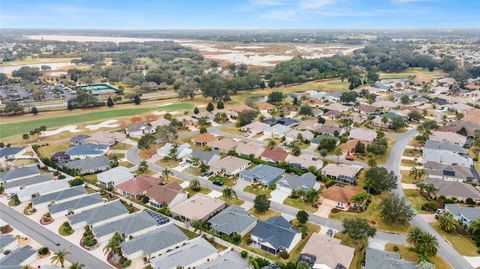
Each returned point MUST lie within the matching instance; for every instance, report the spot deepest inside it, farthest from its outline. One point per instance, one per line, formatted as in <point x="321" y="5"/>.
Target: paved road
<point x="393" y="163"/>
<point x="49" y="239"/>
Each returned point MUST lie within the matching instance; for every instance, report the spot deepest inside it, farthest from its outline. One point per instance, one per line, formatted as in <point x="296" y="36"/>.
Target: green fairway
<point x="10" y="129"/>
<point x="178" y="106"/>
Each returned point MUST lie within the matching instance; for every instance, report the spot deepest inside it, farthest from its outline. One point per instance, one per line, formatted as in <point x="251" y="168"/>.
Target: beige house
<point x="256" y="127"/>
<point x="363" y="134"/>
<point x="248" y="149"/>
<point x="229" y="166"/>
<point x="198" y="207"/>
<point x="224" y="145"/>
<point x="342" y="172"/>
<point x="449" y="137"/>
<point x="105" y="138"/>
<point x="328" y="252"/>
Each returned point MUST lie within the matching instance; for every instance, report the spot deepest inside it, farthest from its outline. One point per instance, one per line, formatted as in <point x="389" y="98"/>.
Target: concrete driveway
<point x="325" y="208"/>
<point x="279" y="195"/>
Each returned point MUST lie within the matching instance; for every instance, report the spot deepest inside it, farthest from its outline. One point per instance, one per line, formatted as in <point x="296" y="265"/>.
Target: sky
<point x="239" y="14"/>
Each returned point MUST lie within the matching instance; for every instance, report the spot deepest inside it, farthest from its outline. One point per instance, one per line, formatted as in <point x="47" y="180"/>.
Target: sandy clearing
<point x="166" y="104"/>
<point x="105" y="124"/>
<point x="160" y="113"/>
<point x="68" y="128"/>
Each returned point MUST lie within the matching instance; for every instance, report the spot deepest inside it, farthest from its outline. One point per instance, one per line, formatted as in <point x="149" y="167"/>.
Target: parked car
<point x="349" y="158"/>
<point x="218" y="182"/>
<point x="206" y="174"/>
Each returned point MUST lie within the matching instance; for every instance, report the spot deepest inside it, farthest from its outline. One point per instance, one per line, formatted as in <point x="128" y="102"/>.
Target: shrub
<point x="244" y="254"/>
<point x="396" y="248"/>
<point x="6" y="252"/>
<point x="430" y="206"/>
<point x="43" y="251"/>
<point x="470" y="201"/>
<point x="284" y="254"/>
<point x="65" y="229"/>
<point x="272" y="186"/>
<point x="61" y="177"/>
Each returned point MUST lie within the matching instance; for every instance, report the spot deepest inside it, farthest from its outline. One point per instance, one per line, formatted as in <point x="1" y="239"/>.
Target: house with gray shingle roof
<point x="304" y="182"/>
<point x="154" y="243"/>
<point x="89" y="165"/>
<point x="19" y="173"/>
<point x="10" y="153"/>
<point x="465" y="215"/>
<point x="132" y="225"/>
<point x="98" y="215"/>
<point x="18" y="258"/>
<point x="233" y="220"/>
<point x="456" y="189"/>
<point x="375" y="259"/>
<point x="42" y="201"/>
<point x="451" y="172"/>
<point x="81" y="203"/>
<point x="207" y="157"/>
<point x="274" y="235"/>
<point x="7" y="242"/>
<point x="263" y="174"/>
<point x="230" y="260"/>
<point x="16" y="185"/>
<point x="115" y="176"/>
<point x="28" y="192"/>
<point x="86" y="151"/>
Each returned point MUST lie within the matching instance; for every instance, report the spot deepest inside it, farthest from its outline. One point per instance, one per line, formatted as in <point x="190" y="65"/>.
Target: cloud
<point x="405" y="1"/>
<point x="266" y="2"/>
<point x="279" y="14"/>
<point x="315" y="4"/>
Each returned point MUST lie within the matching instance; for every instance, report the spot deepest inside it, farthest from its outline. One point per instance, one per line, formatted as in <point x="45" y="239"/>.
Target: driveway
<point x="279" y="195"/>
<point x="325" y="208"/>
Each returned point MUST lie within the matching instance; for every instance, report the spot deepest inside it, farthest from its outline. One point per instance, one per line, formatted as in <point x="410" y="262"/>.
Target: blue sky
<point x="239" y="14"/>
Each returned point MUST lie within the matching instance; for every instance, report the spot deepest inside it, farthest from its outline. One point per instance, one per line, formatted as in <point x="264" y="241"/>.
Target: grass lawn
<point x="92" y="179"/>
<point x="347" y="241"/>
<point x="412" y="153"/>
<point x="188" y="233"/>
<point x="228" y="181"/>
<point x="409" y="163"/>
<point x="192" y="192"/>
<point x="408" y="254"/>
<point x="298" y="203"/>
<point x="381" y="159"/>
<point x="265" y="215"/>
<point x="23" y="162"/>
<point x="233" y="201"/>
<point x="52" y="148"/>
<point x="406" y="177"/>
<point x="414" y="73"/>
<point x="170" y="163"/>
<point x="417" y="200"/>
<point x="13" y="128"/>
<point x="232" y="130"/>
<point x="372" y="214"/>
<point x="120" y="146"/>
<point x="258" y="189"/>
<point x="126" y="164"/>
<point x="463" y="244"/>
<point x="176" y="107"/>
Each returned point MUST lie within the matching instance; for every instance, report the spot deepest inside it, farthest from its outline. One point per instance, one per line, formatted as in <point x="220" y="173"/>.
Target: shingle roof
<point x="78" y="203"/>
<point x="116" y="175"/>
<point x="9" y="151"/>
<point x="154" y="241"/>
<point x="231" y="260"/>
<point x="5" y="240"/>
<point x="470" y="213"/>
<point x="454" y="188"/>
<point x="386" y="260"/>
<point x="133" y="223"/>
<point x="198" y="206"/>
<point x="197" y="249"/>
<point x="328" y="251"/>
<point x="16" y="258"/>
<point x="164" y="193"/>
<point x="341" y="194"/>
<point x="99" y="213"/>
<point x="139" y="184"/>
<point x="305" y="182"/>
<point x="19" y="172"/>
<point x="28" y="181"/>
<point x="89" y="163"/>
<point x="87" y="149"/>
<point x="263" y="173"/>
<point x="233" y="219"/>
<point x="276" y="154"/>
<point x="59" y="195"/>
<point x="439" y="145"/>
<point x="276" y="231"/>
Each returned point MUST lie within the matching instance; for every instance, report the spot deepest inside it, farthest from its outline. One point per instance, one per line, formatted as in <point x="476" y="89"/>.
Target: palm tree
<point x="416" y="173"/>
<point x="338" y="152"/>
<point x="312" y="196"/>
<point x="271" y="143"/>
<point x="414" y="235"/>
<point x="195" y="185"/>
<point x="228" y="193"/>
<point x="430" y="190"/>
<point x="59" y="257"/>
<point x="113" y="244"/>
<point x="429" y="245"/>
<point x="76" y="265"/>
<point x="447" y="222"/>
<point x="166" y="172"/>
<point x="253" y="263"/>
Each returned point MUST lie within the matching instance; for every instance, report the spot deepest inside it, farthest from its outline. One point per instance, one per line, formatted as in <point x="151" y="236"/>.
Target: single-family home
<point x="89" y="165"/>
<point x="276" y="131"/>
<point x="203" y="139"/>
<point x="332" y="130"/>
<point x="448" y="137"/>
<point x="376" y="258"/>
<point x="338" y="107"/>
<point x="159" y="123"/>
<point x="283" y="121"/>
<point x="9" y="153"/>
<point x="341" y="172"/>
<point x="233" y="220"/>
<point x="115" y="176"/>
<point x="28" y="192"/>
<point x="249" y="149"/>
<point x="170" y="195"/>
<point x="451" y="172"/>
<point x="137" y="186"/>
<point x="8" y="242"/>
<point x="465" y="215"/>
<point x="304" y="161"/>
<point x="291" y="182"/>
<point x="309" y="125"/>
<point x="274" y="155"/>
<point x="333" y="114"/>
<point x="229" y="166"/>
<point x="14" y="186"/>
<point x="254" y="128"/>
<point x="78" y="139"/>
<point x="99" y="215"/>
<point x="275" y="235"/>
<point x="43" y="201"/>
<point x="446" y="153"/>
<point x="105" y="138"/>
<point x="19" y="173"/>
<point x="198" y="207"/>
<point x="77" y="204"/>
<point x="451" y="189"/>
<point x="340" y="197"/>
<point x="326" y="252"/>
<point x="138" y="129"/>
<point x="349" y="146"/>
<point x="266" y="108"/>
<point x="295" y="135"/>
<point x="19" y="257"/>
<point x="175" y="151"/>
<point x="262" y="174"/>
<point x="231" y="260"/>
<point x="131" y="225"/>
<point x="367" y="109"/>
<point x="363" y="134"/>
<point x="87" y="151"/>
<point x="198" y="157"/>
<point x="223" y="145"/>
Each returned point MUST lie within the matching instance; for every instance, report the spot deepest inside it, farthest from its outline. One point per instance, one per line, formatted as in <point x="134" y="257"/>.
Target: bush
<point x="284" y="254"/>
<point x="43" y="251"/>
<point x="430" y="206"/>
<point x="244" y="254"/>
<point x="470" y="201"/>
<point x="61" y="177"/>
<point x="272" y="186"/>
<point x="396" y="248"/>
<point x="65" y="229"/>
<point x="6" y="252"/>
<point x="75" y="182"/>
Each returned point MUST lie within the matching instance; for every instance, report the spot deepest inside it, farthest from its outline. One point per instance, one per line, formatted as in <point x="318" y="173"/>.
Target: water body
<point x="53" y="66"/>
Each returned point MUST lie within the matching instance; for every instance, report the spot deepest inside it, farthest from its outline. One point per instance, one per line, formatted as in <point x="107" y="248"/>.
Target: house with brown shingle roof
<point x="248" y="149"/>
<point x="274" y="155"/>
<point x="203" y="139"/>
<point x="170" y="195"/>
<point x="340" y="196"/>
<point x="328" y="252"/>
<point x="229" y="166"/>
<point x="367" y="109"/>
<point x="349" y="146"/>
<point x="223" y="145"/>
<point x="198" y="207"/>
<point x="137" y="186"/>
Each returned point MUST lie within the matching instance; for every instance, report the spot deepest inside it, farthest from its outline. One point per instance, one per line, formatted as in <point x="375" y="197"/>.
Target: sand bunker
<point x="68" y="128"/>
<point x="160" y="113"/>
<point x="105" y="124"/>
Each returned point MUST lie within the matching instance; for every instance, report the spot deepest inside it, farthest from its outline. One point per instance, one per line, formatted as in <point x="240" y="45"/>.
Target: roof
<point x="195" y="250"/>
<point x="94" y="163"/>
<point x="282" y="121"/>
<point x="203" y="138"/>
<point x="160" y="122"/>
<point x="341" y="194"/>
<point x="182" y="150"/>
<point x="19" y="172"/>
<point x="328" y="251"/>
<point x="256" y="126"/>
<point x="472" y="116"/>
<point x="59" y="195"/>
<point x="329" y="129"/>
<point x="5" y="240"/>
<point x="470" y="213"/>
<point x="228" y="164"/>
<point x="99" y="213"/>
<point x="249" y="148"/>
<point x="225" y="144"/>
<point x="375" y="258"/>
<point x="17" y="257"/>
<point x="28" y="181"/>
<point x="75" y="204"/>
<point x="240" y="108"/>
<point x="230" y="260"/>
<point x="439" y="145"/>
<point x="454" y="189"/>
<point x="139" y="184"/>
<point x="233" y="219"/>
<point x="116" y="175"/>
<point x="9" y="151"/>
<point x="105" y="138"/>
<point x="455" y="171"/>
<point x="278" y="128"/>
<point x="198" y="206"/>
<point x="132" y="223"/>
<point x="368" y="108"/>
<point x="263" y="173"/>
<point x="351" y="144"/>
<point x="43" y="188"/>
<point x="78" y="138"/>
<point x="276" y="154"/>
<point x="265" y="106"/>
<point x="339" y="170"/>
<point x="446" y="157"/>
<point x="276" y="231"/>
<point x="363" y="134"/>
<point x="149" y="243"/>
<point x="448" y="137"/>
<point x="304" y="161"/>
<point x="205" y="156"/>
<point x="305" y="182"/>
<point x="87" y="149"/>
<point x="164" y="193"/>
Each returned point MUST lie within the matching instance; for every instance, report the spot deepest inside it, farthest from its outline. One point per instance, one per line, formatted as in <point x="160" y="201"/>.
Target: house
<point x="349" y="146"/>
<point x="316" y="141"/>
<point x="223" y="145"/>
<point x="8" y="242"/>
<point x="14" y="186"/>
<point x="451" y="172"/>
<point x="322" y="251"/>
<point x="99" y="215"/>
<point x="291" y="182"/>
<point x="331" y="130"/>
<point x="309" y="125"/>
<point x="175" y="151"/>
<point x="385" y="105"/>
<point x="338" y="107"/>
<point x="19" y="173"/>
<point x="234" y="111"/>
<point x="138" y="129"/>
<point x="71" y="206"/>
<point x="266" y="108"/>
<point x="159" y="123"/>
<point x="304" y="162"/>
<point x="28" y="192"/>
<point x="333" y="114"/>
<point x="275" y="235"/>
<point x="105" y="138"/>
<point x="376" y="258"/>
<point x="363" y="134"/>
<point x="274" y="155"/>
<point x="191" y="255"/>
<point x="9" y="153"/>
<point x="340" y="197"/>
<point x="154" y="243"/>
<point x="198" y="157"/>
<point x="115" y="176"/>
<point x="86" y="151"/>
<point x="283" y="121"/>
<point x="465" y="215"/>
<point x="18" y="258"/>
<point x="197" y="207"/>
<point x="229" y="166"/>
<point x="341" y="172"/>
<point x="137" y="186"/>
<point x="89" y="165"/>
<point x="203" y="139"/>
<point x="233" y="220"/>
<point x="131" y="225"/>
<point x="254" y="128"/>
<point x="43" y="201"/>
<point x="262" y="174"/>
<point x="367" y="109"/>
<point x="276" y="131"/>
<point x="294" y="135"/>
<point x="230" y="260"/>
<point x="170" y="195"/>
<point x="450" y="189"/>
<point x="60" y="157"/>
<point x="446" y="153"/>
<point x="444" y="147"/>
<point x="78" y="139"/>
<point x="448" y="137"/>
<point x="249" y="149"/>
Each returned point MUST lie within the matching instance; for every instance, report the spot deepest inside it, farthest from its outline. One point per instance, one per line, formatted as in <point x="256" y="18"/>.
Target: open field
<point x="417" y="74"/>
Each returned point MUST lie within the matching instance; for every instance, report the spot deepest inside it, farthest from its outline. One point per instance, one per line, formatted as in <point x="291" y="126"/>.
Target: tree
<point x="34" y="110"/>
<point x="416" y="173"/>
<point x="302" y="265"/>
<point x="275" y="97"/>
<point x="425" y="265"/>
<point x="59" y="257"/>
<point x="312" y="196"/>
<point x="195" y="185"/>
<point x="425" y="244"/>
<point x="371" y="160"/>
<point x="196" y="110"/>
<point x="378" y="179"/>
<point x="321" y="120"/>
<point x="372" y="75"/>
<point x="415" y="116"/>
<point x="113" y="245"/>
<point x="13" y="108"/>
<point x="166" y="172"/>
<point x="220" y="105"/>
<point x="137" y="100"/>
<point x="360" y="148"/>
<point x="328" y="144"/>
<point x="396" y="210"/>
<point x="247" y="116"/>
<point x="110" y="102"/>
<point x="348" y="97"/>
<point x="447" y="222"/>
<point x="474" y="230"/>
<point x="25" y="137"/>
<point x="405" y="99"/>
<point x="228" y="193"/>
<point x="306" y="110"/>
<point x="338" y="152"/>
<point x="143" y="167"/>
<point x="210" y="107"/>
<point x="261" y="203"/>
<point x="302" y="216"/>
<point x="76" y="265"/>
<point x="397" y="123"/>
<point x="146" y="141"/>
<point x="358" y="229"/>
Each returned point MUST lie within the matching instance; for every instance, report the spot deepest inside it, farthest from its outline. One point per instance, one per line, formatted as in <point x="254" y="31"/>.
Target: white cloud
<point x="266" y="2"/>
<point x="315" y="4"/>
<point x="405" y="1"/>
<point x="279" y="14"/>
